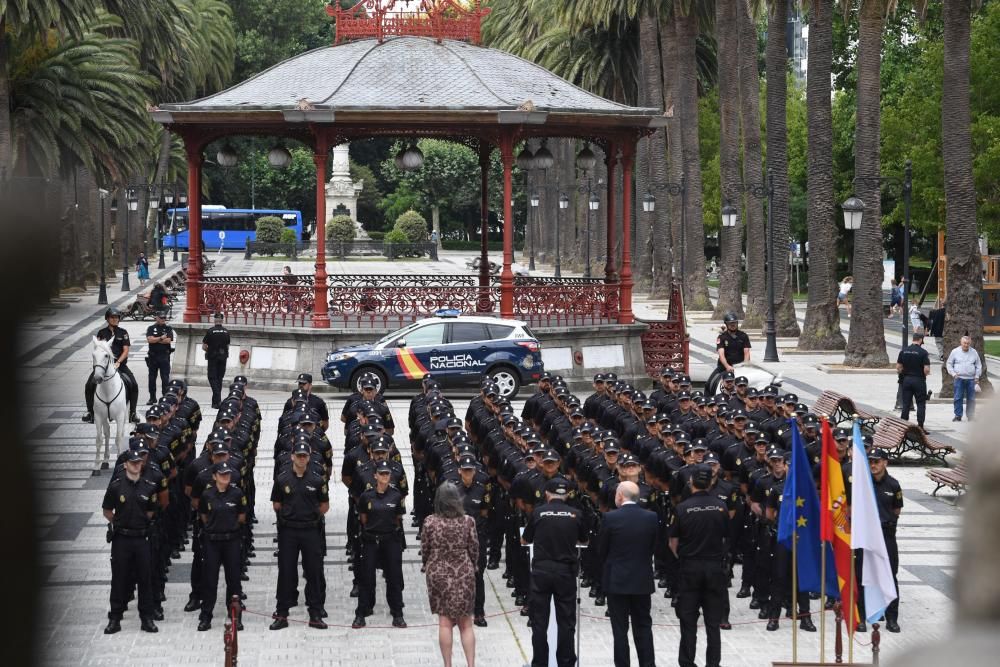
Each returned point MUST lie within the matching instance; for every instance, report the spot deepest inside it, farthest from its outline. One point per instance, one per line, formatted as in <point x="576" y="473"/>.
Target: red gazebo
<point x="414" y="74"/>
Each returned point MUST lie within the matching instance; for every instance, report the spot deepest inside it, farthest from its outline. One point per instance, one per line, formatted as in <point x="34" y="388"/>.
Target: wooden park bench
<point x="841" y="409"/>
<point x="956" y="478"/>
<point x="899" y="438"/>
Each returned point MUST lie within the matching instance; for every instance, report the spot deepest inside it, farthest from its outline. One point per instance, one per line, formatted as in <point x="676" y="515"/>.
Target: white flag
<point x="866" y="534"/>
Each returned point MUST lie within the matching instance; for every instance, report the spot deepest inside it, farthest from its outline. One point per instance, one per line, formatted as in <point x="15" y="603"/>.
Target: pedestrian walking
<point x="626" y="543"/>
<point x="843" y="293"/>
<point x="555" y="529"/>
<point x="449" y="550"/>
<point x="918" y="321"/>
<point x="216" y="347"/>
<point x="142" y="268"/>
<point x="935" y="328"/>
<point x="914" y="365"/>
<point x="965" y="366"/>
<point x="698" y="539"/>
<point x="160" y="337"/>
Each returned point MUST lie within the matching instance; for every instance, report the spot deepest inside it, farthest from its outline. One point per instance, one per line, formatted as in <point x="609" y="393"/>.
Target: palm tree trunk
<point x="866" y="342"/>
<point x="695" y="285"/>
<point x="6" y="140"/>
<point x="730" y="238"/>
<point x="753" y="171"/>
<point x="821" y="329"/>
<point x="777" y="163"/>
<point x="651" y="165"/>
<point x="964" y="305"/>
<point x="666" y="246"/>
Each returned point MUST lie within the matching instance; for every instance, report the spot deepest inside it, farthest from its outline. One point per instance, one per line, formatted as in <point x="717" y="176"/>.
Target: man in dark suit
<point x="625" y="546"/>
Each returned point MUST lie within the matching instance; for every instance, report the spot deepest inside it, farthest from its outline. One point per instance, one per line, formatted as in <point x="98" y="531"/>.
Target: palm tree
<point x="866" y="342"/>
<point x="777" y="164"/>
<point x="753" y="170"/>
<point x="730" y="238"/>
<point x="821" y="329"/>
<point x="964" y="304"/>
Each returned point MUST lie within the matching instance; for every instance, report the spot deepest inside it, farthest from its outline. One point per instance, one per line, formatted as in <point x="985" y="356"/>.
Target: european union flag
<point x="799" y="520"/>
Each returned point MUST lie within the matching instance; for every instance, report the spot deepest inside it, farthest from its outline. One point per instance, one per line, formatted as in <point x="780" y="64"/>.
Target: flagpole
<point x="822" y="600"/>
<point x="851" y="624"/>
<point x="795" y="597"/>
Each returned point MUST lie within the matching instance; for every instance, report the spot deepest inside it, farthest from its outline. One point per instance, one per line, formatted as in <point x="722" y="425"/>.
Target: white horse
<point x="111" y="402"/>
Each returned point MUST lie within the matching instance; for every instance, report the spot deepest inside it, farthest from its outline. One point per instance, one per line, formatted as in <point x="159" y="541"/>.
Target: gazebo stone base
<point x="275" y="356"/>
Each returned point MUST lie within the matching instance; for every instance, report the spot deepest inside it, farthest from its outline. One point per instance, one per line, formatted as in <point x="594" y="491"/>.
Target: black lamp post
<point x="730" y="215"/>
<point x="531" y="231"/>
<point x="102" y="287"/>
<point x="854" y="211"/>
<point x="133" y="205"/>
<point x="674" y="190"/>
<point x="563" y="205"/>
<point x="168" y="201"/>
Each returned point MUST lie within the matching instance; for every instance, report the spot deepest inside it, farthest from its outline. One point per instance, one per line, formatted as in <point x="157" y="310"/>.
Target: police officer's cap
<point x="160" y="314"/>
<point x="627" y="459"/>
<point x="775" y="453"/>
<point x="578" y="434"/>
<point x="711" y="457"/>
<point x="531" y="437"/>
<point x="751" y="427"/>
<point x="460" y="438"/>
<point x="627" y="390"/>
<point x="464" y="449"/>
<point x="611" y="445"/>
<point x="383" y="468"/>
<point x="218" y="435"/>
<point x="557" y="487"/>
<point x="524" y="432"/>
<point x="135" y="455"/>
<point x="698" y="400"/>
<point x="241" y="379"/>
<point x="667" y="372"/>
<point x="810" y="420"/>
<point x="610" y="377"/>
<point x="220" y="447"/>
<point x="222" y="468"/>
<point x="368" y="382"/>
<point x="740" y="413"/>
<point x="684" y="396"/>
<point x="753" y="393"/>
<point x="599" y="378"/>
<point x="653" y="418"/>
<point x="663" y="418"/>
<point x="509" y="418"/>
<point x="742" y="381"/>
<point x="770" y="391"/>
<point x="558" y="379"/>
<point x="790" y="399"/>
<point x="761" y="439"/>
<point x="218" y="316"/>
<point x="550" y="455"/>
<point x="683" y="380"/>
<point x="801" y="408"/>
<point x="500" y="402"/>
<point x="454" y="422"/>
<point x="154" y="412"/>
<point x="309" y="417"/>
<point x="700" y="444"/>
<point x="545" y="377"/>
<point x="180" y="383"/>
<point x="147" y="429"/>
<point x="491" y="391"/>
<point x="868" y="440"/>
<point x="380" y="445"/>
<point x="236" y="392"/>
<point x="467" y="463"/>
<point x="841" y="434"/>
<point x="226" y="416"/>
<point x="586" y="427"/>
<point x="562" y="394"/>
<point x="879" y="454"/>
<point x="682" y="438"/>
<point x="138" y="444"/>
<point x="576" y="412"/>
<point x="728" y="375"/>
<point x="370" y="430"/>
<point x="168" y="400"/>
<point x="711" y="400"/>
<point x="702" y="476"/>
<point x="638" y="397"/>
<point x="305" y="378"/>
<point x="301" y="447"/>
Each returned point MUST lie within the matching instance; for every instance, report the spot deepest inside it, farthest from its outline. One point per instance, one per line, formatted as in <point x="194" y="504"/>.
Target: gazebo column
<point x="507" y="275"/>
<point x="483" y="304"/>
<point x="192" y="284"/>
<point x="321" y="317"/>
<point x="611" y="160"/>
<point x="625" y="315"/>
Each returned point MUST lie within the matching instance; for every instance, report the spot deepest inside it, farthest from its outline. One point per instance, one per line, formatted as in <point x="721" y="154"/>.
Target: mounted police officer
<point x="732" y="345"/>
<point x="120" y="344"/>
<point x="160" y="337"/>
<point x="216" y="347"/>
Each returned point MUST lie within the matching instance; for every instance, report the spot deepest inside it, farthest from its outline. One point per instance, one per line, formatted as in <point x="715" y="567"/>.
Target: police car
<point x="456" y="350"/>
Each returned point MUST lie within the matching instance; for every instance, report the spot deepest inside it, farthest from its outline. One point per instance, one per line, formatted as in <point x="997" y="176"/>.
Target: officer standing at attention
<point x="313" y="402"/>
<point x="216" y="347"/>
<point x="300" y="499"/>
<point x="914" y="365"/>
<point x="120" y="344"/>
<point x="223" y="511"/>
<point x="699" y="540"/>
<point x="732" y="344"/>
<point x="555" y="529"/>
<point x="160" y="337"/>
<point x="129" y="504"/>
<point x="889" y="498"/>
<point x="381" y="512"/>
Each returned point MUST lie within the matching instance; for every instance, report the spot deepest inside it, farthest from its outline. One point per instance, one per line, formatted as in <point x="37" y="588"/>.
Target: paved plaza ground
<point x="75" y="557"/>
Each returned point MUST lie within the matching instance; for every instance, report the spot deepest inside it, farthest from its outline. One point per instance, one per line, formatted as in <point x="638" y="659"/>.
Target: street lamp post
<point x="592" y="205"/>
<point x="102" y="287"/>
<point x="182" y="201"/>
<point x="168" y="200"/>
<point x="673" y="190"/>
<point x="730" y="216"/>
<point x="854" y="210"/>
<point x="563" y="205"/>
<point x="531" y="231"/>
<point x="133" y="205"/>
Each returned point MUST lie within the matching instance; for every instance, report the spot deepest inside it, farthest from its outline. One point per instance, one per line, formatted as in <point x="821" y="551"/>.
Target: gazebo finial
<point x="439" y="19"/>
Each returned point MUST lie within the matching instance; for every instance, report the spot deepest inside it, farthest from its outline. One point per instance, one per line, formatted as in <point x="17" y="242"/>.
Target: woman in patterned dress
<point x="449" y="548"/>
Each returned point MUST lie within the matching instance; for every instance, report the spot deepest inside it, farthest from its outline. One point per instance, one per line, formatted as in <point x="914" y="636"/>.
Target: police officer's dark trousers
<point x="216" y="372"/>
<point x="781" y="585"/>
<point x="131" y="564"/>
<point x="914" y="389"/>
<point x="292" y="540"/>
<point x="889" y="534"/>
<point x="158" y="364"/>
<point x="480" y="601"/>
<point x="551" y="580"/>
<point x="221" y="549"/>
<point x="387" y="551"/>
<point x="702" y="587"/>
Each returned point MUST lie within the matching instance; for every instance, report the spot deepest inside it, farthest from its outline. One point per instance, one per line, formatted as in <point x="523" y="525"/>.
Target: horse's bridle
<point x="110" y="362"/>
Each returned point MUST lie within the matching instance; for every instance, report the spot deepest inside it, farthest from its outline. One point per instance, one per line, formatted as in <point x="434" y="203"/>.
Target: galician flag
<point x="866" y="534"/>
<point x="835" y="524"/>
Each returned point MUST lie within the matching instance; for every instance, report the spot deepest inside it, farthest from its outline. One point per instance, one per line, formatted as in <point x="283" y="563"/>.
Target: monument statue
<point x="342" y="193"/>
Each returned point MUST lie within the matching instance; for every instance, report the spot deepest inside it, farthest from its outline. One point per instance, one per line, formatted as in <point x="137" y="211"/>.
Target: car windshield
<point x="396" y="334"/>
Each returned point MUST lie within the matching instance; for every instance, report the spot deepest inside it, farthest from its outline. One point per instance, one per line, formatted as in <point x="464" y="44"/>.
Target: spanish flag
<point x="835" y="525"/>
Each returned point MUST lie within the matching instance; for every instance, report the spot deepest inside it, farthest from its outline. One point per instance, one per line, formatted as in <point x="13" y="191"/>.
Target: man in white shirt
<point x="965" y="366"/>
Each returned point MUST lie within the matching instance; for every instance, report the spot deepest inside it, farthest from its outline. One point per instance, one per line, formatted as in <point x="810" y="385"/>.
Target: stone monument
<point x="342" y="193"/>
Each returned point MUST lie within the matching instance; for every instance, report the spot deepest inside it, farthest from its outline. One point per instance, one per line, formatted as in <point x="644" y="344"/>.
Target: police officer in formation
<point x="120" y="345"/>
<point x="889" y="498"/>
<point x="215" y="345"/>
<point x="380" y="511"/>
<point x="222" y="510"/>
<point x="160" y="338"/>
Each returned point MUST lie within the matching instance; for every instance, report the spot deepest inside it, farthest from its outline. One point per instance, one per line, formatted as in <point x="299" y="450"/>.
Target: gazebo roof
<point x="410" y="76"/>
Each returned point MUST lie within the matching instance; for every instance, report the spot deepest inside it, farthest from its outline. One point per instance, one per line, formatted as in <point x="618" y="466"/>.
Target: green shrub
<point x="413" y="225"/>
<point x="288" y="235"/>
<point x="376" y="236"/>
<point x="395" y="236"/>
<point x="340" y="229"/>
<point x="269" y="229"/>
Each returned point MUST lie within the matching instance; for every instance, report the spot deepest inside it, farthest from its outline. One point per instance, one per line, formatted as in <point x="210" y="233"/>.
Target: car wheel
<point x="380" y="381"/>
<point x="506" y="381"/>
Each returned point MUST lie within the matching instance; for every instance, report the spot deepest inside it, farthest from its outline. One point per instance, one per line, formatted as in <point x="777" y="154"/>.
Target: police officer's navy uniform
<point x="222" y="513"/>
<point x="216" y="342"/>
<point x="381" y="544"/>
<point x="913" y="358"/>
<point x="158" y="357"/>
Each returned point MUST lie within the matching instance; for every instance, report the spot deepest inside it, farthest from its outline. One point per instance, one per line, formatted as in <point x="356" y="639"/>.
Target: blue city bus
<point x="229" y="227"/>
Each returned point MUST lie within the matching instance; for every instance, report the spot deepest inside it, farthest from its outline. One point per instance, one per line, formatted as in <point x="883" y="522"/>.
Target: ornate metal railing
<point x="566" y="305"/>
<point x="665" y="342"/>
<point x="379" y="280"/>
<point x="260" y="303"/>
